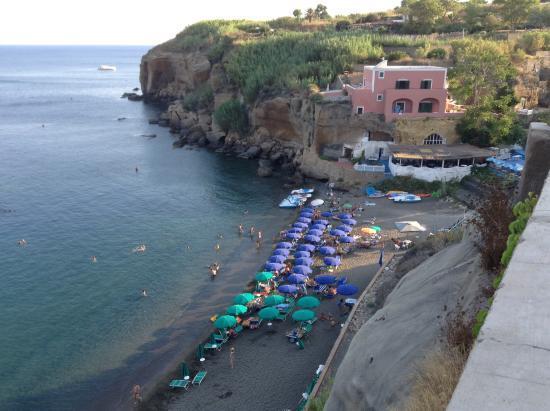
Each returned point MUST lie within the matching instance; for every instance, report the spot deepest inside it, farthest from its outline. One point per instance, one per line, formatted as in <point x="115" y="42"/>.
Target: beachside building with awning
<point x="436" y="162"/>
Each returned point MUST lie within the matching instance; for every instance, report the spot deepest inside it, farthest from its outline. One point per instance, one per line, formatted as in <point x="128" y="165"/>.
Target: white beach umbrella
<point x="317" y="202"/>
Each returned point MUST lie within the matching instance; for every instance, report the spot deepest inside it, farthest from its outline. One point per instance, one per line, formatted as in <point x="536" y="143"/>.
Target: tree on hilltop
<point x="515" y="12"/>
<point x="297" y="13"/>
<point x="310" y="14"/>
<point x="321" y="12"/>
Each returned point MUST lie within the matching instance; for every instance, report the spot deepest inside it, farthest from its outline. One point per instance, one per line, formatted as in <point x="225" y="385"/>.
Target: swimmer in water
<point x="252" y="232"/>
<point x="22" y="242"/>
<point x="259" y="235"/>
<point x="144" y="293"/>
<point x="220" y="236"/>
<point x="137" y="169"/>
<point x="94" y="259"/>
<point x="217" y="247"/>
<point x="245" y="212"/>
<point x="241" y="229"/>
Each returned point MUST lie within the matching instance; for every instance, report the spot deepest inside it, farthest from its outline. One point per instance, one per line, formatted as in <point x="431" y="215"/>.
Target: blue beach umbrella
<point x="302" y="269"/>
<point x="292" y="236"/>
<point x="307" y="210"/>
<point x="274" y="266"/>
<point x="315" y="232"/>
<point x="347" y="289"/>
<point x="319" y="227"/>
<point x="304" y="261"/>
<point x="304" y="220"/>
<point x="295" y="230"/>
<point x="299" y="225"/>
<point x="337" y="233"/>
<point x="312" y="238"/>
<point x="325" y="279"/>
<point x="324" y="222"/>
<point x="344" y="216"/>
<point x="346" y="239"/>
<point x="306" y="247"/>
<point x="287" y="289"/>
<point x="284" y="245"/>
<point x="306" y="214"/>
<point x="297" y="278"/>
<point x="277" y="259"/>
<point x="327" y="250"/>
<point x="327" y="214"/>
<point x="349" y="221"/>
<point x="345" y="228"/>
<point x="332" y="261"/>
<point x="302" y="254"/>
<point x="281" y="251"/>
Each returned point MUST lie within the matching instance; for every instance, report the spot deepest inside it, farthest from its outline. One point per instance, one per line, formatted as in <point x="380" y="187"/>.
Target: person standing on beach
<point x="232" y="357"/>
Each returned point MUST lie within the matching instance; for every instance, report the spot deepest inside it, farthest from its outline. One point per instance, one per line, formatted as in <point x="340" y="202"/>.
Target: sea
<point x="78" y="335"/>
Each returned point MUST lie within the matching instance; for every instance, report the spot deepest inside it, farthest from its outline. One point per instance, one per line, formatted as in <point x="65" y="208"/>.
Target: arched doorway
<point x="403" y="105"/>
<point x="434" y="139"/>
<point x="428" y="105"/>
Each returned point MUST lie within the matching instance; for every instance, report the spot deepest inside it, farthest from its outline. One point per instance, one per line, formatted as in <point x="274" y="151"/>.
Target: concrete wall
<point x="537" y="159"/>
<point x="509" y="366"/>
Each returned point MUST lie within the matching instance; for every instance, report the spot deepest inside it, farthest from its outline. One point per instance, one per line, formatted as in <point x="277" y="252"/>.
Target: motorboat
<point x="292" y="201"/>
<point x="407" y="198"/>
<point x="105" y="67"/>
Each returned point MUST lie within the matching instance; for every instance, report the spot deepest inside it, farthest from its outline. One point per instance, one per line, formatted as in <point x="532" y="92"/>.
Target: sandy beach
<point x="270" y="373"/>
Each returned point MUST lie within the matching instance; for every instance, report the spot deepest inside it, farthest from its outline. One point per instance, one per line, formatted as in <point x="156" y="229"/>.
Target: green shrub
<point x="202" y="97"/>
<point x="342" y="25"/>
<point x="522" y="210"/>
<point x="438" y="53"/>
<point x="232" y="116"/>
<point x="534" y="41"/>
<point x="292" y="61"/>
<point x="397" y="55"/>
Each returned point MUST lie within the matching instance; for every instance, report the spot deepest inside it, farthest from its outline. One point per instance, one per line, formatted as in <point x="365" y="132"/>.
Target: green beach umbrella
<point x="236" y="309"/>
<point x="308" y="302"/>
<point x="268" y="313"/>
<point x="303" y="315"/>
<point x="243" y="298"/>
<point x="347" y="206"/>
<point x="273" y="299"/>
<point x="376" y="228"/>
<point x="264" y="276"/>
<point x="225" y="321"/>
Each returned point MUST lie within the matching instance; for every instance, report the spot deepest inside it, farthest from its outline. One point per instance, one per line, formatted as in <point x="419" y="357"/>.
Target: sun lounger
<point x="179" y="384"/>
<point x="199" y="377"/>
<point x="281" y="316"/>
<point x="219" y="339"/>
<point x="254" y="323"/>
<point x="210" y="346"/>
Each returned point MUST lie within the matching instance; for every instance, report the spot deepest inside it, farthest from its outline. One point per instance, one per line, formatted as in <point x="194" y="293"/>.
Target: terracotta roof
<point x="439" y="151"/>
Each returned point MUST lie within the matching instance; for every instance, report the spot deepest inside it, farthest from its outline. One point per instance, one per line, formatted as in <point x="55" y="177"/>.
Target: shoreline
<point x="356" y="264"/>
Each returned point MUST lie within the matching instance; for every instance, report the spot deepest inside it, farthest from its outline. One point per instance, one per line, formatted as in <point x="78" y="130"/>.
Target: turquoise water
<point x="77" y="335"/>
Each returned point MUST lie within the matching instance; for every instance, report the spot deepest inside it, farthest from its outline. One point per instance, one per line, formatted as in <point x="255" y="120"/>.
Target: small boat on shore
<point x="407" y="198"/>
<point x="105" y="67"/>
<point x="303" y="191"/>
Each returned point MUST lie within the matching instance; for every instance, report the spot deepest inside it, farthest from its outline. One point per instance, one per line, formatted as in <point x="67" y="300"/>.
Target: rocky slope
<point x="384" y="354"/>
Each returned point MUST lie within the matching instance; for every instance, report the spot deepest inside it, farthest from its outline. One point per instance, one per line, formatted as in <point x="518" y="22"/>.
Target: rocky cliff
<point x="286" y="133"/>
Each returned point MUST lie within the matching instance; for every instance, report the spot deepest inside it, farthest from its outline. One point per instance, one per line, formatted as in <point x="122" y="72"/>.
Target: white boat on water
<point x="105" y="67"/>
<point x="292" y="201"/>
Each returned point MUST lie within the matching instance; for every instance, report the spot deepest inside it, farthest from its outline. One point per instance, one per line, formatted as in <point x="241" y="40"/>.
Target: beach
<point x="270" y="373"/>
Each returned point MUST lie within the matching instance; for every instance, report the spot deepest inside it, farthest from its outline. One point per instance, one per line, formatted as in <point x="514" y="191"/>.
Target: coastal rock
<point x="215" y="138"/>
<point x="251" y="153"/>
<point x="202" y="142"/>
<point x="153" y="121"/>
<point x="275" y="116"/>
<point x="179" y="143"/>
<point x="265" y="171"/>
<point x="267" y="146"/>
<point x="164" y="123"/>
<point x="218" y="79"/>
<point x="132" y="96"/>
<point x="276" y="156"/>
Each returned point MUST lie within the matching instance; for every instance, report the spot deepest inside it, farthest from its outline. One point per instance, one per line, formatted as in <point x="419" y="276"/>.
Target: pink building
<point x="401" y="91"/>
